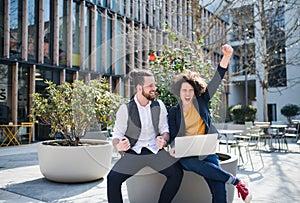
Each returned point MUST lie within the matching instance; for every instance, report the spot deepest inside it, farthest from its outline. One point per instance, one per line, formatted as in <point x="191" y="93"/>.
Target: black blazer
<point x="201" y="102"/>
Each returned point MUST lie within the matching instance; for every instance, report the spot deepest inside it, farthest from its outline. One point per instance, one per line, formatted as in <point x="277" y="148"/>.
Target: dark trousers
<point x="131" y="163"/>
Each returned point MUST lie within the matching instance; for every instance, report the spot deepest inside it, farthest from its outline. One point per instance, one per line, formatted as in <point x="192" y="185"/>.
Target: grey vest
<point x="134" y="123"/>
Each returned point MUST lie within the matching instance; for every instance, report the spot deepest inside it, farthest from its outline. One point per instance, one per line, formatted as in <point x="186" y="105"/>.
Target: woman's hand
<point x="227" y="53"/>
<point x="172" y="152"/>
<point x="227" y="50"/>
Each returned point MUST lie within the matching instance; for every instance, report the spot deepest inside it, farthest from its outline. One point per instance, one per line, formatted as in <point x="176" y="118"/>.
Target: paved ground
<point x="21" y="181"/>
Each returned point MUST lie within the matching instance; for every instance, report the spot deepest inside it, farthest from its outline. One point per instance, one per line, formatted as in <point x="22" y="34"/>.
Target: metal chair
<point x="292" y="131"/>
<point x="26" y="131"/>
<point x="250" y="142"/>
<point x="278" y="130"/>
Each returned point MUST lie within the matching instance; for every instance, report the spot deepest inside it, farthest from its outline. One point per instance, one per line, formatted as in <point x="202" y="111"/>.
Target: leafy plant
<point x="71" y="108"/>
<point x="289" y="111"/>
<point x="240" y="113"/>
<point x="171" y="62"/>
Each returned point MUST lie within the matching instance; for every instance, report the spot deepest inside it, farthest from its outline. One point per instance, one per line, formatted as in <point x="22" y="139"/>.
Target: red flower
<point x="152" y="57"/>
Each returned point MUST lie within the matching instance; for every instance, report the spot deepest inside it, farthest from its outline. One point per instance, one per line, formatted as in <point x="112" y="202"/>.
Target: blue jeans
<point x="212" y="172"/>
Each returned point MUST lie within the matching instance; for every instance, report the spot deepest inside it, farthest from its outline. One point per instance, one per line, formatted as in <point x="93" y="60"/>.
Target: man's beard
<point x="148" y="96"/>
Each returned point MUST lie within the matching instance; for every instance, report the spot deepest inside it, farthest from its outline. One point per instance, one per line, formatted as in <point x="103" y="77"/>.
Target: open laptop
<point x="197" y="145"/>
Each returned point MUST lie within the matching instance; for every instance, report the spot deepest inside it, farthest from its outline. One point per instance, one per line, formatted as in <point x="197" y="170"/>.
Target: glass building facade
<point x="66" y="40"/>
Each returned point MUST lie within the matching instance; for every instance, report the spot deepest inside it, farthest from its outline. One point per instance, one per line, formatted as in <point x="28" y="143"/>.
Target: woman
<point x="191" y="117"/>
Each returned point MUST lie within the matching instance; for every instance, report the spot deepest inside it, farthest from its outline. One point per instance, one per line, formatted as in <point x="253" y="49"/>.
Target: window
<point x="119" y="48"/>
<point x="5" y="93"/>
<point x="109" y="46"/>
<point x="32" y="30"/>
<point x="87" y="29"/>
<point x="62" y="15"/>
<point x="276" y="47"/>
<point x="47" y="31"/>
<point x="15" y="28"/>
<point x="1" y="27"/>
<point x="23" y="94"/>
<point x="99" y="42"/>
<point x="103" y="3"/>
<point x="76" y="34"/>
<point x="69" y="76"/>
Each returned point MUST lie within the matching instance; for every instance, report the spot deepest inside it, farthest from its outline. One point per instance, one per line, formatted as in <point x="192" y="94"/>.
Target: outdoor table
<point x="227" y="132"/>
<point x="10" y="132"/>
<point x="279" y="133"/>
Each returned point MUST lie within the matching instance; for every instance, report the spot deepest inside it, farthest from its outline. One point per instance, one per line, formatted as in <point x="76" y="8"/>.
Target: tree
<point x="289" y="111"/>
<point x="244" y="21"/>
<point x="172" y="62"/>
<point x="276" y="25"/>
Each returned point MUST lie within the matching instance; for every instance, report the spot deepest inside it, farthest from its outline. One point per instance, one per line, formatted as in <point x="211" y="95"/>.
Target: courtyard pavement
<point x="277" y="181"/>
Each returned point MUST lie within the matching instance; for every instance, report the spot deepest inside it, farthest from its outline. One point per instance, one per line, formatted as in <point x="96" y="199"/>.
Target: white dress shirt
<point x="148" y="136"/>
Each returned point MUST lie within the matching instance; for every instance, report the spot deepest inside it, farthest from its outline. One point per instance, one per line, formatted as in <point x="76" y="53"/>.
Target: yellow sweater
<point x="193" y="122"/>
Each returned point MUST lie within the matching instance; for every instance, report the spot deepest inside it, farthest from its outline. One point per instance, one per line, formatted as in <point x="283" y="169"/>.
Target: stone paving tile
<point x="277" y="181"/>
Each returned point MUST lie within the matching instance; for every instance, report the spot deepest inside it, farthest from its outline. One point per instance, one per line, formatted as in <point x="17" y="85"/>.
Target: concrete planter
<point x="147" y="184"/>
<point x="96" y="135"/>
<point x="75" y="164"/>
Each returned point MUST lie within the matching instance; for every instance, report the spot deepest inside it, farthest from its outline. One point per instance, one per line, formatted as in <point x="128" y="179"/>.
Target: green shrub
<point x="289" y="111"/>
<point x="240" y="113"/>
<point x="70" y="109"/>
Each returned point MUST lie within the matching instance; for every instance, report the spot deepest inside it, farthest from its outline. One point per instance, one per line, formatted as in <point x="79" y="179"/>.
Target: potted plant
<point x="240" y="113"/>
<point x="290" y="111"/>
<point x="70" y="109"/>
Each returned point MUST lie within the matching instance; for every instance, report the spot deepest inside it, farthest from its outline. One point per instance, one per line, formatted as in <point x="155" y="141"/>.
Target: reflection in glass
<point x="87" y="23"/>
<point x="32" y="30"/>
<point x="62" y="12"/>
<point x="23" y="95"/>
<point x="98" y="42"/>
<point x="109" y="46"/>
<point x="119" y="48"/>
<point x="76" y="34"/>
<point x="15" y="28"/>
<point x="1" y="28"/>
<point x="47" y="31"/>
<point x="5" y="93"/>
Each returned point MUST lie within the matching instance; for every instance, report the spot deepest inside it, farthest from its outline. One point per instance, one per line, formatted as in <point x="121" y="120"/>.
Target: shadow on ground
<point x="48" y="191"/>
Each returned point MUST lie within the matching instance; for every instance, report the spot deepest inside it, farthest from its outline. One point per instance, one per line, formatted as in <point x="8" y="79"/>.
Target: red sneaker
<point x="243" y="191"/>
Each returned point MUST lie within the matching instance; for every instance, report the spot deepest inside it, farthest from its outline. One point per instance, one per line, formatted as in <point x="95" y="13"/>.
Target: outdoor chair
<point x="228" y="138"/>
<point x="264" y="134"/>
<point x="249" y="142"/>
<point x="292" y="131"/>
<point x="278" y="130"/>
<point x="26" y="131"/>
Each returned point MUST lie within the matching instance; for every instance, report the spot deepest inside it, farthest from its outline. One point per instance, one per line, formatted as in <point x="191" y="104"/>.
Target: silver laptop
<point x="197" y="145"/>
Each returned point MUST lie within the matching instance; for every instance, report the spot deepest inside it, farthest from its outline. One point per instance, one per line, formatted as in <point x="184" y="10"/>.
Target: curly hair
<point x="191" y="77"/>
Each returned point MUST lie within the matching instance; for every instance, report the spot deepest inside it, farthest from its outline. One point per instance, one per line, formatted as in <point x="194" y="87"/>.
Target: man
<point x="141" y="132"/>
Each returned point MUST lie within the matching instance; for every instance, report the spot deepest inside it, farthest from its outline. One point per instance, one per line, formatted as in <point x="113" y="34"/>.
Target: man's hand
<point x="123" y="144"/>
<point x="160" y="142"/>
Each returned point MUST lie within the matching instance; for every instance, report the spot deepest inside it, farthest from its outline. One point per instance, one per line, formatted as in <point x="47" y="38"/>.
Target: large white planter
<point x="145" y="186"/>
<point x="75" y="164"/>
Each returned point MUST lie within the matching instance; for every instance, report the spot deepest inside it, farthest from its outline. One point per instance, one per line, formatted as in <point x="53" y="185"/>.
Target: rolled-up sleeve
<point x="163" y="118"/>
<point x="121" y="122"/>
